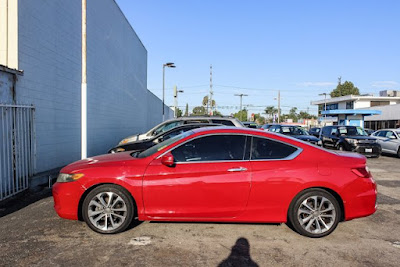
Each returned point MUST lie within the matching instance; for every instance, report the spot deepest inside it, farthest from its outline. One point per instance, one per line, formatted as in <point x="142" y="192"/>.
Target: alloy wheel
<point x="107" y="211"/>
<point x="316" y="214"/>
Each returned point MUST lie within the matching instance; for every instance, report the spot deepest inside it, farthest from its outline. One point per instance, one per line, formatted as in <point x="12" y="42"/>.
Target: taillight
<point x="362" y="172"/>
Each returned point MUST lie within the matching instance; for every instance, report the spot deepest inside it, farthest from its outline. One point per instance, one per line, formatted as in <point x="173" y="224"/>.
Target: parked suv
<point x="350" y="138"/>
<point x="169" y="124"/>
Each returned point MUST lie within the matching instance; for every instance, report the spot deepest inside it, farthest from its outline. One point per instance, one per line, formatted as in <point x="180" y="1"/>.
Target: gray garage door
<point x="16" y="148"/>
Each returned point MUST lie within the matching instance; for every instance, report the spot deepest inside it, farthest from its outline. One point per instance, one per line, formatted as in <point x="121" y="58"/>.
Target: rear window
<point x="263" y="148"/>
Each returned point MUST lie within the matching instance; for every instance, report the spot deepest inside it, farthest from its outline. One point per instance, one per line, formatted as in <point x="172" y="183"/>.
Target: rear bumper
<point x="361" y="198"/>
<point x="66" y="199"/>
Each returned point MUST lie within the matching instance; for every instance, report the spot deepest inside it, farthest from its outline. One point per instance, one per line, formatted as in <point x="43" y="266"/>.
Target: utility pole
<point x="84" y="87"/>
<point x="241" y="96"/>
<point x="211" y="92"/>
<point x="339" y="83"/>
<point x="279" y="106"/>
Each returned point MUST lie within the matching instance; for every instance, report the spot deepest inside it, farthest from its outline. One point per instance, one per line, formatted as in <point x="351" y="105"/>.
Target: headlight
<point x="64" y="177"/>
<point x="351" y="141"/>
<point x="127" y="140"/>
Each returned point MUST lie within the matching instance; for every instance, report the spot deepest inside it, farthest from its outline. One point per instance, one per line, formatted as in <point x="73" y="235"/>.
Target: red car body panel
<point x="207" y="191"/>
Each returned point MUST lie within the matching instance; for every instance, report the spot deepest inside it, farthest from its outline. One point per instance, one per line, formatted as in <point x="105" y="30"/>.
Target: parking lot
<point x="33" y="234"/>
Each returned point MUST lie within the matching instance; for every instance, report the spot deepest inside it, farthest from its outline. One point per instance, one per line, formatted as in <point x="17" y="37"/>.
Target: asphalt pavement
<point x="31" y="234"/>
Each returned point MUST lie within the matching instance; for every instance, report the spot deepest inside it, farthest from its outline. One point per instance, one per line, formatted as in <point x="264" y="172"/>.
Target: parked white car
<point x="389" y="139"/>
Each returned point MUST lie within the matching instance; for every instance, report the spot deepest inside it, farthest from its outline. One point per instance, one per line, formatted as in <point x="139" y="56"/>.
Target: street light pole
<point x="168" y="65"/>
<point x="324" y="94"/>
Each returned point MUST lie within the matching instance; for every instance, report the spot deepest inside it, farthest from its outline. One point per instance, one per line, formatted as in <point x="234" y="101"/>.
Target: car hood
<point x="359" y="137"/>
<point x="117" y="159"/>
<point x="306" y="137"/>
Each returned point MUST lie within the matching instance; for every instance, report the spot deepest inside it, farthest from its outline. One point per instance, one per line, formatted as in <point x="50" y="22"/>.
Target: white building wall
<point x="362" y="104"/>
<point x="50" y="55"/>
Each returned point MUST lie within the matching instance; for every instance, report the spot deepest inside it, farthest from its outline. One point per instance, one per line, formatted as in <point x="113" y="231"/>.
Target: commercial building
<point x="356" y="109"/>
<point x="40" y="85"/>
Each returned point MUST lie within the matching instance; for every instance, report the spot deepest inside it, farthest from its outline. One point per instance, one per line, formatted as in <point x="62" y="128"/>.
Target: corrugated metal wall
<point x="119" y="103"/>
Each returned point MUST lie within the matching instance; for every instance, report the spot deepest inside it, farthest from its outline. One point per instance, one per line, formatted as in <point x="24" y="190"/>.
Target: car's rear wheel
<point x="314" y="213"/>
<point x="108" y="209"/>
<point x="398" y="152"/>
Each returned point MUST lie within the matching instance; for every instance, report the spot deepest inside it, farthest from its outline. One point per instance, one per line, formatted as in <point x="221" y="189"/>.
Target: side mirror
<point x="168" y="160"/>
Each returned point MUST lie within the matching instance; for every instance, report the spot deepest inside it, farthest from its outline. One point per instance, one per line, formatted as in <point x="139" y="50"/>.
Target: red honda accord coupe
<point x="219" y="174"/>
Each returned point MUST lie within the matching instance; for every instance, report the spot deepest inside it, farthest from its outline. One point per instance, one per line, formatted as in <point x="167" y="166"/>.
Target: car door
<point x="210" y="179"/>
<point x="329" y="135"/>
<point x="380" y="138"/>
<point x="272" y="168"/>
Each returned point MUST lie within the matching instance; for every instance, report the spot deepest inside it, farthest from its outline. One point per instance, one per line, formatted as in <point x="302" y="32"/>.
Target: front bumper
<point x="372" y="150"/>
<point x="66" y="199"/>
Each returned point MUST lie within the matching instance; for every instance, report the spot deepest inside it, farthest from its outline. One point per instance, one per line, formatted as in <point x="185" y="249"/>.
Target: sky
<point x="258" y="47"/>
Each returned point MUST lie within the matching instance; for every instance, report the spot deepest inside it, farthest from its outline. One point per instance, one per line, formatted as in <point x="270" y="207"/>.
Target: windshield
<point x="162" y="145"/>
<point x="163" y="127"/>
<point x="352" y="131"/>
<point x="290" y="130"/>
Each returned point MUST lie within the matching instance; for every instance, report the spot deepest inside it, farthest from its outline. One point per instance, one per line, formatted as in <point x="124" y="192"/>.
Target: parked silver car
<point x="168" y="125"/>
<point x="389" y="139"/>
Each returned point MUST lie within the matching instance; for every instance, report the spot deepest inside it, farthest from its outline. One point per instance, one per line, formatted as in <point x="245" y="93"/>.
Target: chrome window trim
<point x="290" y="157"/>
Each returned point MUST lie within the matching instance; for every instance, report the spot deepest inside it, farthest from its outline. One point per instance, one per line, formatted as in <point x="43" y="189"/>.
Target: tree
<point x="259" y="119"/>
<point x="346" y="88"/>
<point x="206" y="102"/>
<point x="179" y="112"/>
<point x="199" y="110"/>
<point x="270" y="111"/>
<point x="293" y="114"/>
<point x="305" y="115"/>
<point x="187" y="110"/>
<point x="241" y="115"/>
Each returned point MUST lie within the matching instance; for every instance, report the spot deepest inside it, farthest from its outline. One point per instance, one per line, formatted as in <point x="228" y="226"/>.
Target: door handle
<point x="240" y="169"/>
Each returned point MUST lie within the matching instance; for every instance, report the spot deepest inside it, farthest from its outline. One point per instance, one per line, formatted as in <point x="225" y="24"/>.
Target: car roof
<point x="228" y="129"/>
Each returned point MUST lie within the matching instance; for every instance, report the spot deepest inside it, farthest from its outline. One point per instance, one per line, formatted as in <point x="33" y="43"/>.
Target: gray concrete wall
<point x="119" y="103"/>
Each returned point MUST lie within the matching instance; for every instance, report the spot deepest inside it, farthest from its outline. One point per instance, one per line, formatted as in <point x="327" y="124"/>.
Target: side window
<point x="382" y="133"/>
<point x="223" y="122"/>
<point x="334" y="131"/>
<point x="326" y="130"/>
<point x="167" y="127"/>
<point x="273" y="128"/>
<point x="390" y="134"/>
<point x="263" y="148"/>
<point x="211" y="148"/>
<point x="196" y="121"/>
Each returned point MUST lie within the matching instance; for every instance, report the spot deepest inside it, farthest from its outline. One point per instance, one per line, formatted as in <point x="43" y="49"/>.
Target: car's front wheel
<point x="108" y="209"/>
<point x="314" y="213"/>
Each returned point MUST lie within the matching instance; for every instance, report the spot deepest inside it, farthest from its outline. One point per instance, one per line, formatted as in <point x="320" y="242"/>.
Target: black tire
<point x="398" y="152"/>
<point x="319" y="223"/>
<point x="113" y="217"/>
